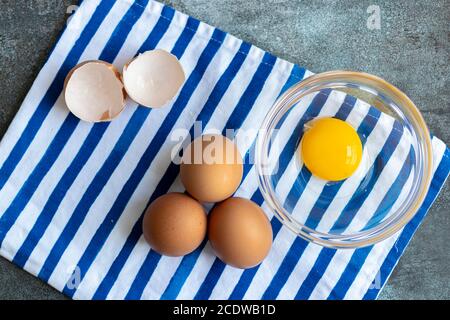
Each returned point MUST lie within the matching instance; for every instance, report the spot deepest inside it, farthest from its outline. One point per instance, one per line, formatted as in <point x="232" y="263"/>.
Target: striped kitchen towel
<point x="73" y="193"/>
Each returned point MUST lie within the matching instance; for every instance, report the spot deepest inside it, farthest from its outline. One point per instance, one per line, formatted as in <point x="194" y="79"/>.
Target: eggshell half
<point x="94" y="92"/>
<point x="153" y="78"/>
<point x="239" y="232"/>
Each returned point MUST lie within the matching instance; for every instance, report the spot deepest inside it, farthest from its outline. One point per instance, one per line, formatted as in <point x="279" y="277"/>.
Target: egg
<point x="94" y="92"/>
<point x="174" y="224"/>
<point x="239" y="232"/>
<point x="331" y="149"/>
<point x="153" y="78"/>
<point x="211" y="168"/>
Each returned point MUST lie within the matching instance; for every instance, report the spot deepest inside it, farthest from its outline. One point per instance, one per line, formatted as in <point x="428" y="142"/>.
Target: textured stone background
<point x="412" y="50"/>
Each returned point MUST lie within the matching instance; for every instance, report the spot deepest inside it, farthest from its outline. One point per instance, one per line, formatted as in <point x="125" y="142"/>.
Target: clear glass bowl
<point x="389" y="185"/>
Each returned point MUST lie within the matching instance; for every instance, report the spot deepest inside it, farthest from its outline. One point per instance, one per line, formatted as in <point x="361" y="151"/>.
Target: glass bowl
<point x="390" y="183"/>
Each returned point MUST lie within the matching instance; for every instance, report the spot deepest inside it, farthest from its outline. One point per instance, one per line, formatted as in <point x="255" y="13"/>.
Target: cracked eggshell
<point x="153" y="78"/>
<point x="94" y="92"/>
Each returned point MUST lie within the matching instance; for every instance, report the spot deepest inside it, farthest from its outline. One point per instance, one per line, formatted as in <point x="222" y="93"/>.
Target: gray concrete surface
<point x="411" y="50"/>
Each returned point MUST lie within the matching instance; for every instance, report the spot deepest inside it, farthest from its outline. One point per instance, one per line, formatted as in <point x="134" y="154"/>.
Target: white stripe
<point x="139" y="32"/>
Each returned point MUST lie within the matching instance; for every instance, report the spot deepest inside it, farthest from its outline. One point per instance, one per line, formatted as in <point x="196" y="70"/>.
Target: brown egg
<point x="239" y="232"/>
<point x="174" y="224"/>
<point x="211" y="168"/>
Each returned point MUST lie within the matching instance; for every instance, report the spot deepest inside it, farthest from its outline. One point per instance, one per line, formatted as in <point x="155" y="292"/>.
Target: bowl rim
<point x="424" y="156"/>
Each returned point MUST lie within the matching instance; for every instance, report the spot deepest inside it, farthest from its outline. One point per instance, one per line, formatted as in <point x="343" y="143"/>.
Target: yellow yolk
<point x="331" y="149"/>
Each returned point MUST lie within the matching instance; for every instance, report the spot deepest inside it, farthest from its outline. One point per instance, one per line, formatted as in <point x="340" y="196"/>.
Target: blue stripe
<point x="204" y="292"/>
<point x="250" y="94"/>
<point x="121" y="32"/>
<point x="152" y="150"/>
<point x="186" y="36"/>
<point x="235" y="120"/>
<point x="64" y="133"/>
<point x="346" y="108"/>
<point x="299" y="245"/>
<point x="392" y="195"/>
<point x="53" y="92"/>
<point x="437" y="182"/>
<point x="313" y="110"/>
<point x="355" y="203"/>
<point x="218" y="267"/>
<point x="113" y="215"/>
<point x="97" y="184"/>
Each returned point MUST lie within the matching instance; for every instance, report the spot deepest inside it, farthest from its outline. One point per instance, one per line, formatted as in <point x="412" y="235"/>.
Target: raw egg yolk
<point x="331" y="149"/>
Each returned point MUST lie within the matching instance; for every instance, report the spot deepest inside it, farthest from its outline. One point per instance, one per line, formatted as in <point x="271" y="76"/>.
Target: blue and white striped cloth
<point x="73" y="193"/>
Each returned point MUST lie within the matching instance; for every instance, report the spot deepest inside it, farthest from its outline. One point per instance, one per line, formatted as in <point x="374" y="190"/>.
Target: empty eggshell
<point x="94" y="92"/>
<point x="239" y="232"/>
<point x="153" y="78"/>
<point x="174" y="224"/>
